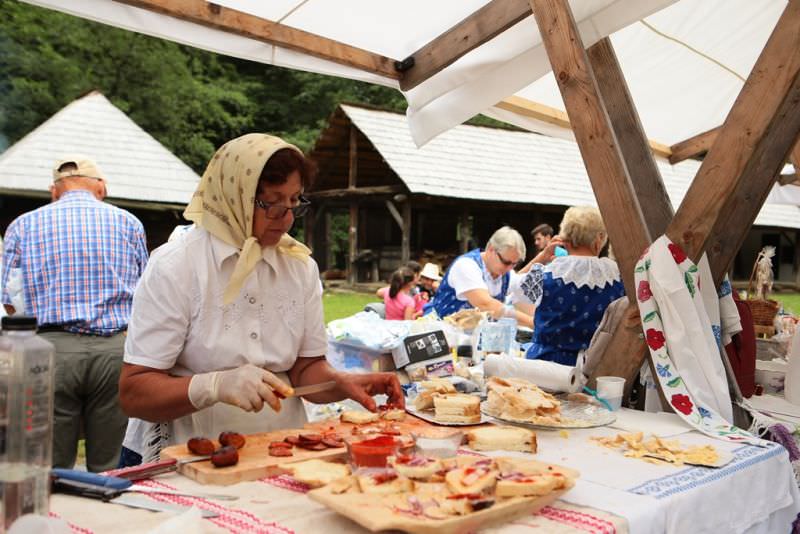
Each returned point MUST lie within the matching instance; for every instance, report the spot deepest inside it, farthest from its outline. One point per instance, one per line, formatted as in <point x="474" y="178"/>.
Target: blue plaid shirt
<point x="80" y="260"/>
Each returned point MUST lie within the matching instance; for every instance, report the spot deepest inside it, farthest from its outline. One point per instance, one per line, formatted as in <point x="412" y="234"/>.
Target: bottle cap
<point x="19" y="322"/>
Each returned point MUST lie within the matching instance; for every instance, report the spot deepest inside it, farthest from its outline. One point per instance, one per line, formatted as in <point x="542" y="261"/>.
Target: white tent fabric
<point x="685" y="60"/>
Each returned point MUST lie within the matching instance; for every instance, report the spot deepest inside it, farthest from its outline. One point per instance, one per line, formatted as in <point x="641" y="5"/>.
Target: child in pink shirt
<point x="398" y="300"/>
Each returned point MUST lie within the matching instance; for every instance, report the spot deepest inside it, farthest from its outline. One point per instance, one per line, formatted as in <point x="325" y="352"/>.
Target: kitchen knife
<point x="313" y="388"/>
<point x="150" y="469"/>
<point x="81" y="489"/>
<point x="123" y="484"/>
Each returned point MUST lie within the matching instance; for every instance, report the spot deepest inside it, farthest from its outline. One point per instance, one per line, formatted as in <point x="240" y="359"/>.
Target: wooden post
<point x="633" y="144"/>
<point x="352" y="231"/>
<point x="405" y="247"/>
<point x="330" y="261"/>
<point x="465" y="231"/>
<point x="750" y="149"/>
<point x="614" y="148"/>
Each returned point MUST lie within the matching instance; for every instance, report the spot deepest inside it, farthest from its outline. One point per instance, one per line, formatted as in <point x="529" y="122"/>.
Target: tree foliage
<point x="190" y="100"/>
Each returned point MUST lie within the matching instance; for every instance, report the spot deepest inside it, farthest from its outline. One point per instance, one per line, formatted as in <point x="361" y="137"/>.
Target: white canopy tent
<point x="665" y="47"/>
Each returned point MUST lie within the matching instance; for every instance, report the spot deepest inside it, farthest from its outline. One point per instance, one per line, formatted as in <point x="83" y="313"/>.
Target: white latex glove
<point x="247" y="387"/>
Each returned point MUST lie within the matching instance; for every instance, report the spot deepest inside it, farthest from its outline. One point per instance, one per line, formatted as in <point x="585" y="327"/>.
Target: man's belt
<point x="42" y="329"/>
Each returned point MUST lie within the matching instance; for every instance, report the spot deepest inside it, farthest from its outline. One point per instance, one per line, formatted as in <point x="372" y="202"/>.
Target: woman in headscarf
<point x="570" y="292"/>
<point x="227" y="317"/>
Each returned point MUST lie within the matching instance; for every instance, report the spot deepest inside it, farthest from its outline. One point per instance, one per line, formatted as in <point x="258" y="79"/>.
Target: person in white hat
<point x="429" y="280"/>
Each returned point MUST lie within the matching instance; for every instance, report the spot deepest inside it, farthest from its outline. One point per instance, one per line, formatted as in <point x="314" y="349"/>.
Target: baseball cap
<point x="85" y="167"/>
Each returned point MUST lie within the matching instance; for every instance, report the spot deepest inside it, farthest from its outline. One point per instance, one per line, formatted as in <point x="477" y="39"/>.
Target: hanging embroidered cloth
<point x="685" y="339"/>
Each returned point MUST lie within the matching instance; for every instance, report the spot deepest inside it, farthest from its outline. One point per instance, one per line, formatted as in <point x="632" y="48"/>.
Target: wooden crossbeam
<point x="541" y="112"/>
<point x="693" y="147"/>
<point x="240" y="23"/>
<point x="788" y="179"/>
<point x="748" y="153"/>
<point x="481" y="26"/>
<point x="356" y="191"/>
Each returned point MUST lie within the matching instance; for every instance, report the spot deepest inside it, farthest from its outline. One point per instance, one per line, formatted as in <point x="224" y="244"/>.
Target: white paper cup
<point x="611" y="389"/>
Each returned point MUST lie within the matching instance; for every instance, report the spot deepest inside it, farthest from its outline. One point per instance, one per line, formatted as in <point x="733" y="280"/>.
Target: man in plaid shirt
<point x="80" y="259"/>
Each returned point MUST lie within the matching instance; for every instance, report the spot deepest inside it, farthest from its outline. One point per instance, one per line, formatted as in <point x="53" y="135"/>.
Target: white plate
<point x="428" y="415"/>
<point x="575" y="415"/>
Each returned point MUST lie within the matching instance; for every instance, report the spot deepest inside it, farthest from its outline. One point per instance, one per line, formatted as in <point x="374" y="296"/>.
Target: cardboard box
<point x="354" y="358"/>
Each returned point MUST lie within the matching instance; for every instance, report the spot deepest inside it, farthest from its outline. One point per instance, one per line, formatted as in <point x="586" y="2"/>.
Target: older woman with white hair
<point x="482" y="279"/>
<point x="570" y="292"/>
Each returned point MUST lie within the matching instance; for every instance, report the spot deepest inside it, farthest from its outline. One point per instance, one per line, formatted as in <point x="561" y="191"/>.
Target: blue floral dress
<point x="570" y="294"/>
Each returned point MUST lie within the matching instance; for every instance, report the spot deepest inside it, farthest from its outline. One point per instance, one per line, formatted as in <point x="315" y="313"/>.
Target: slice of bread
<point x="505" y="438"/>
<point x="471" y="479"/>
<point x="457" y="408"/>
<point x="317" y="473"/>
<point x="417" y="467"/>
<point x="394" y="414"/>
<point x="376" y="483"/>
<point x="359" y="417"/>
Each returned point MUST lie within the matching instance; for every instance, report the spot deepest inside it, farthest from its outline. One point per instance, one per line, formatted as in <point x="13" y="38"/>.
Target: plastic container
<point x="351" y="357"/>
<point x="439" y="446"/>
<point x="792" y="392"/>
<point x="372" y="452"/>
<point x="611" y="389"/>
<point x="773" y="376"/>
<point x="26" y="419"/>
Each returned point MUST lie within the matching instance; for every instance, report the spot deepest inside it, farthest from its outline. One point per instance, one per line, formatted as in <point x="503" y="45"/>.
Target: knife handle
<point x="72" y="487"/>
<point x="91" y="478"/>
<point x="138" y="472"/>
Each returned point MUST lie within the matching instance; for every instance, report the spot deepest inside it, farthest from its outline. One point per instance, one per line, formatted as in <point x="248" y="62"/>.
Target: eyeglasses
<point x="278" y="211"/>
<point x="504" y="261"/>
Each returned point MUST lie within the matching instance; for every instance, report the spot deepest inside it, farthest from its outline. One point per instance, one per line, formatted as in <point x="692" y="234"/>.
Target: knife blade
<point x="313" y="388"/>
<point x="116" y="496"/>
<point x="150" y="469"/>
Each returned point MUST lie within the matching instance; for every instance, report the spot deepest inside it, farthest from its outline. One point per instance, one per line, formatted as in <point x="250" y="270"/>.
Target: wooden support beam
<point x="395" y="214"/>
<point x="330" y="261"/>
<point x="405" y="243"/>
<point x="352" y="230"/>
<point x="481" y="26"/>
<point x="789" y="179"/>
<point x="356" y="191"/>
<point x="750" y="150"/>
<point x="693" y="147"/>
<point x="614" y="149"/>
<point x="594" y="134"/>
<point x="464" y="231"/>
<point x="556" y="117"/>
<point x="240" y="23"/>
<point x="633" y="146"/>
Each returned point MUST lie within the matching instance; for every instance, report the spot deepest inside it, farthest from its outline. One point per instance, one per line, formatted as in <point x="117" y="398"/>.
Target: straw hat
<point x="431" y="270"/>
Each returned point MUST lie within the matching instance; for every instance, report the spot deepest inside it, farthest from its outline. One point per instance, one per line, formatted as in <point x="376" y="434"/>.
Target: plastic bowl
<point x="438" y="446"/>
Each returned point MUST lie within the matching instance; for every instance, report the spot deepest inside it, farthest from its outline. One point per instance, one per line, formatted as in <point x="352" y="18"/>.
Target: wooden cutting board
<point x="409" y="425"/>
<point x="254" y="459"/>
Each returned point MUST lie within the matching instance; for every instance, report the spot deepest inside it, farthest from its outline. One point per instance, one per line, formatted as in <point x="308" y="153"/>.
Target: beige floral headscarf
<point x="224" y="201"/>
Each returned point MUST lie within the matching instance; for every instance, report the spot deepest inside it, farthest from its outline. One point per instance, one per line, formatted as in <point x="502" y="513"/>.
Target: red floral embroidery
<point x="682" y="403"/>
<point x="644" y="293"/>
<point x="655" y="338"/>
<point x="677" y="253"/>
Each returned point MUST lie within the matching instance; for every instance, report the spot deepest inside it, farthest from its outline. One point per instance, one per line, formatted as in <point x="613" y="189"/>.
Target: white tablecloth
<point x="754" y="493"/>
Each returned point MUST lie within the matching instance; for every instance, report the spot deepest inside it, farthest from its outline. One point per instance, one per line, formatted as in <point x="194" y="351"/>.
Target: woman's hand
<point x="361" y="388"/>
<point x="549" y="252"/>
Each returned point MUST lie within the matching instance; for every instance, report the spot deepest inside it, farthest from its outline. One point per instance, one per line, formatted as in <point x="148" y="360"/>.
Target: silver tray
<point x="574" y="414"/>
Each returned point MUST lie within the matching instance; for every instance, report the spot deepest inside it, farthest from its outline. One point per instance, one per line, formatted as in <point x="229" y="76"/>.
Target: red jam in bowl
<point x="372" y="452"/>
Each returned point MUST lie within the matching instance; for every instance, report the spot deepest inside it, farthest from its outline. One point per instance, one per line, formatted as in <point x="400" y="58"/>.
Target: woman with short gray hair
<point x="571" y="288"/>
<point x="483" y="279"/>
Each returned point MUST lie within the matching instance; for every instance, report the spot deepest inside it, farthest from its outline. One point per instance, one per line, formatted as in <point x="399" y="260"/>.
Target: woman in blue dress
<point x="570" y="292"/>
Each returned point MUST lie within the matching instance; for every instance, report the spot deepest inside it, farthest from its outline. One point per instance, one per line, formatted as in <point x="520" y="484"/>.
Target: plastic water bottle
<point x="26" y="419"/>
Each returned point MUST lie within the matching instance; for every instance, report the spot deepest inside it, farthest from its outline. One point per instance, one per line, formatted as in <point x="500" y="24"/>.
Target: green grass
<point x="340" y="304"/>
<point x="790" y="301"/>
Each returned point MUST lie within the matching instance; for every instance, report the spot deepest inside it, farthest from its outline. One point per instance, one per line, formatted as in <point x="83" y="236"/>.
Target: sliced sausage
<point x="200" y="446"/>
<point x="280" y="451"/>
